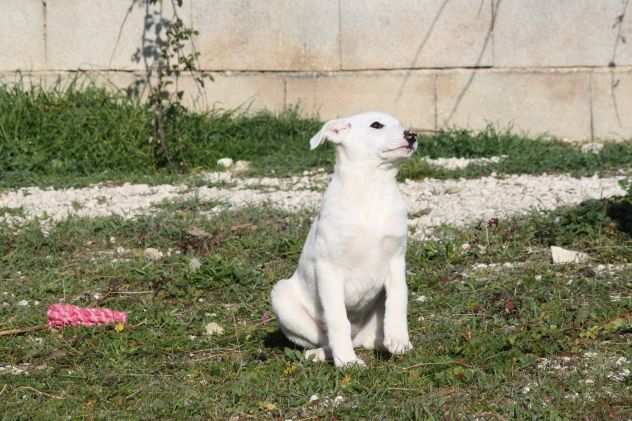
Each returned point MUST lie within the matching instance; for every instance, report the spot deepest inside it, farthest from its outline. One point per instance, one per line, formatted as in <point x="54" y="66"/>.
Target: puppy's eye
<point x="377" y="125"/>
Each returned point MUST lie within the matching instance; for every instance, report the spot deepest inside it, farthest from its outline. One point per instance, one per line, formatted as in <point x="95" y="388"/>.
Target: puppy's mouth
<point x="409" y="147"/>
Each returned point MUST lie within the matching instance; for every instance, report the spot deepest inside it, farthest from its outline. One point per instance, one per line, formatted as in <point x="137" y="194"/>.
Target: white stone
<point x="195" y="264"/>
<point x="241" y="167"/>
<point x="214" y="329"/>
<point x="592" y="148"/>
<point x="562" y="256"/>
<point x="13" y="370"/>
<point x="225" y="162"/>
<point x="620" y="376"/>
<point x="152" y="254"/>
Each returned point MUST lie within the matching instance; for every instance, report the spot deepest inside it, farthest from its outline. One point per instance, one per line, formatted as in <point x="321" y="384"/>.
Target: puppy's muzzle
<point x="410" y="137"/>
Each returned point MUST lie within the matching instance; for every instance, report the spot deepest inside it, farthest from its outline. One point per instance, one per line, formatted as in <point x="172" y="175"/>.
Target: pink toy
<point x="60" y="315"/>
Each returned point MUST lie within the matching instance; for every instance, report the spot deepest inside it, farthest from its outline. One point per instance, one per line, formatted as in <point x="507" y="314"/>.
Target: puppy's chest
<point x="368" y="256"/>
<point x="374" y="242"/>
<point x="378" y="229"/>
<point x="362" y="237"/>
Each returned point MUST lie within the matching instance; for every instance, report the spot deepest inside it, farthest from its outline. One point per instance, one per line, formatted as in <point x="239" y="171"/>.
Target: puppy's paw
<point x="397" y="346"/>
<point x="355" y="362"/>
<point x="317" y="355"/>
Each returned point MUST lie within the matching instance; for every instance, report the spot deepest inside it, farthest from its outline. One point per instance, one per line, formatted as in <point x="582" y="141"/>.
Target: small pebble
<point x="214" y="329"/>
<point x="152" y="254"/>
<point x="195" y="264"/>
<point x="225" y="163"/>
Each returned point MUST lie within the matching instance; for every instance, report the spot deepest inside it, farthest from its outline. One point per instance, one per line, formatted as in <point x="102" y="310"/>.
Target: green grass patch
<point x="522" y="155"/>
<point x="96" y="135"/>
<point x="533" y="341"/>
<point x="80" y="134"/>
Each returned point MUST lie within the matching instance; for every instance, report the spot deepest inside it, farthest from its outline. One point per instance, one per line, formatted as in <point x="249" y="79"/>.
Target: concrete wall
<point x="560" y="67"/>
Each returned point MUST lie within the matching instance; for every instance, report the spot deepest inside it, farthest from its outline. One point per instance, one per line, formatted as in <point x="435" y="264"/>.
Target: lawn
<point x="533" y="340"/>
<point x="499" y="331"/>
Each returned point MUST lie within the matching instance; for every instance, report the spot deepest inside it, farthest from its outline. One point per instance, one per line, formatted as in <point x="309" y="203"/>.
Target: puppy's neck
<point x="365" y="170"/>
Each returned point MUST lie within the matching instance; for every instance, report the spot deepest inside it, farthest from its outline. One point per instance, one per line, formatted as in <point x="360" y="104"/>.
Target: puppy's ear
<point x="334" y="130"/>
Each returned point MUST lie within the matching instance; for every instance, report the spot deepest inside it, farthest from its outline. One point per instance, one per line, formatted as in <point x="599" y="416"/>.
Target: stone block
<point x="61" y="80"/>
<point x="22" y="45"/>
<point x="247" y="92"/>
<point x="535" y="102"/>
<point x="382" y="34"/>
<point x="103" y="34"/>
<point x="545" y="33"/>
<point x="409" y="96"/>
<point x="611" y="104"/>
<point x="267" y="35"/>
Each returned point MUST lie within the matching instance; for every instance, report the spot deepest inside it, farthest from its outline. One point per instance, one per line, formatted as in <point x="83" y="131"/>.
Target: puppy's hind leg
<point x="295" y="322"/>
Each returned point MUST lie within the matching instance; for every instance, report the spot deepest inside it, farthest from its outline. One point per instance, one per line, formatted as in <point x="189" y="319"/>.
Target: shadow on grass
<point x="277" y="339"/>
<point x="621" y="213"/>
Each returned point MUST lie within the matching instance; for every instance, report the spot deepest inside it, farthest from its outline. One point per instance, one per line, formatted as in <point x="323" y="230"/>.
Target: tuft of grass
<point x="533" y="340"/>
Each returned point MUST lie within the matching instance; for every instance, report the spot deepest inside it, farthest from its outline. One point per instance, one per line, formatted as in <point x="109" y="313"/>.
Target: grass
<point x="79" y="135"/>
<point x="534" y="341"/>
<point x="523" y="155"/>
<point x="61" y="136"/>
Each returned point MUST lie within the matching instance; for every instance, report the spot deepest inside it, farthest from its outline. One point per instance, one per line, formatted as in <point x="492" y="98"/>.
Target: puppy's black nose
<point x="411" y="137"/>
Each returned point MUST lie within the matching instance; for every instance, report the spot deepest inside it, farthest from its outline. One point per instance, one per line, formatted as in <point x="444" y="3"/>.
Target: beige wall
<point x="560" y="67"/>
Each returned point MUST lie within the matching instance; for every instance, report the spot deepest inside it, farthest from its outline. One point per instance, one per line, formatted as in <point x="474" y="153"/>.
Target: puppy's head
<point x="368" y="136"/>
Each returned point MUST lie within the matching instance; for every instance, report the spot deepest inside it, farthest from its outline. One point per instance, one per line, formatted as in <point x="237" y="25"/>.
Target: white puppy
<point x="349" y="289"/>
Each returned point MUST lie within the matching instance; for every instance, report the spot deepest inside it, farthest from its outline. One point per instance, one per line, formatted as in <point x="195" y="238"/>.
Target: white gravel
<point x="460" y="163"/>
<point x="432" y="202"/>
<point x="461" y="202"/>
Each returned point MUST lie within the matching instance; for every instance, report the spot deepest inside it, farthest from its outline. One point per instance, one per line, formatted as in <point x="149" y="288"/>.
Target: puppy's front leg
<point x="331" y="292"/>
<point x="396" y="338"/>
